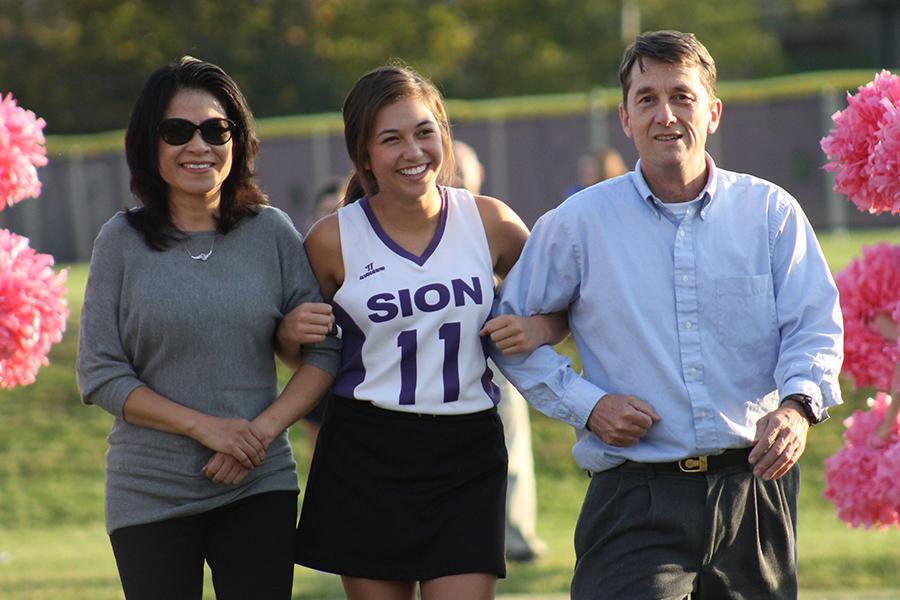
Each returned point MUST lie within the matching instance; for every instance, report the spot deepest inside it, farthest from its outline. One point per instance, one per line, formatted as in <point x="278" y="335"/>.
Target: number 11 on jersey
<point x="407" y="341"/>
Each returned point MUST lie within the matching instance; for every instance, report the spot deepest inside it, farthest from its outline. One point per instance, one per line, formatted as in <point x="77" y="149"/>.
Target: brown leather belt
<point x="697" y="464"/>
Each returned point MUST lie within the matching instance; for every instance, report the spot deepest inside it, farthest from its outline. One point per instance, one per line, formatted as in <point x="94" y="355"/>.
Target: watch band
<point x="806" y="403"/>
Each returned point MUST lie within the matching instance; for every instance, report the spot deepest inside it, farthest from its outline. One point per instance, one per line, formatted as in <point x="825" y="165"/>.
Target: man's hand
<point x="885" y="326"/>
<point x="621" y="420"/>
<point x="779" y="442"/>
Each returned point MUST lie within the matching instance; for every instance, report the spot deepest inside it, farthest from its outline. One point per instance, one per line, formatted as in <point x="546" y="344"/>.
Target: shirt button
<point x="681" y="234"/>
<point x="684" y="278"/>
<point x="688" y="325"/>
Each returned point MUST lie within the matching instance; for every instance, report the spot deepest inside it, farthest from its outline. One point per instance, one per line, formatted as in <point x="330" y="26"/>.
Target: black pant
<point x="644" y="535"/>
<point x="249" y="545"/>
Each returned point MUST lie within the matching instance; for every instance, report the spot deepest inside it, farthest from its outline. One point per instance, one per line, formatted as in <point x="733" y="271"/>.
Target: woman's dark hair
<point x="241" y="196"/>
<point x="372" y="92"/>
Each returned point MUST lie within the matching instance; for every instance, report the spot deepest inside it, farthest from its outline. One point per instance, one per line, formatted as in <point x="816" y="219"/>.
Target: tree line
<point x="80" y="63"/>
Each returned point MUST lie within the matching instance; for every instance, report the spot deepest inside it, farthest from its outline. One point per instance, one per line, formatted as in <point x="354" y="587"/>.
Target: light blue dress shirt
<point x="711" y="316"/>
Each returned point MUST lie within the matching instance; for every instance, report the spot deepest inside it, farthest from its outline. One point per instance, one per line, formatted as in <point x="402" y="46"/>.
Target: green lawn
<point x="53" y="546"/>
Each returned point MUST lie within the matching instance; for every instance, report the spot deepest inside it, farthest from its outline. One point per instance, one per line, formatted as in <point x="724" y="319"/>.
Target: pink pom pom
<point x="887" y="476"/>
<point x="870" y="286"/>
<point x="33" y="309"/>
<point x="21" y="152"/>
<point x="884" y="163"/>
<point x="859" y="146"/>
<point x="862" y="477"/>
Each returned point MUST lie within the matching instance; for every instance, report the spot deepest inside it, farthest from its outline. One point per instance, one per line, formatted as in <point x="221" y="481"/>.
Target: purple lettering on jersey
<point x="352" y="371"/>
<point x="406" y="308"/>
<point x="385" y="305"/>
<point x="382" y="302"/>
<point x="460" y="289"/>
<point x="442" y="300"/>
<point x="450" y="333"/>
<point x="407" y="343"/>
<point x="487" y="378"/>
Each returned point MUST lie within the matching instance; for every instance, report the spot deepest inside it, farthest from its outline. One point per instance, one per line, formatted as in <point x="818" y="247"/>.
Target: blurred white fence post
<point x="81" y="210"/>
<point x="321" y="157"/>
<point x="597" y="119"/>
<point x="836" y="203"/>
<point x="30" y="210"/>
<point x="498" y="165"/>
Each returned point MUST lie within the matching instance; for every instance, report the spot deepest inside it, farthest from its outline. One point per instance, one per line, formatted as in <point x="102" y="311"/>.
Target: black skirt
<point x="406" y="497"/>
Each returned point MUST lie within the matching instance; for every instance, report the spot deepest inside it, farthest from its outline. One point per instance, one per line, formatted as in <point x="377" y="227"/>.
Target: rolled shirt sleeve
<point x="809" y="317"/>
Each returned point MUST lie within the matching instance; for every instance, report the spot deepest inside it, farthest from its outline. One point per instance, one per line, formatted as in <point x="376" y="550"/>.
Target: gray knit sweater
<point x="203" y="335"/>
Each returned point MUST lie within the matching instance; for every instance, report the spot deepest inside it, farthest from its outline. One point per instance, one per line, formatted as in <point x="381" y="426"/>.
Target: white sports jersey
<point x="410" y="323"/>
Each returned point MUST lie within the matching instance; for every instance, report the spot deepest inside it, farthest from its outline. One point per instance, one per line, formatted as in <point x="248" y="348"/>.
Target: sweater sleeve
<point x="299" y="286"/>
<point x="105" y="374"/>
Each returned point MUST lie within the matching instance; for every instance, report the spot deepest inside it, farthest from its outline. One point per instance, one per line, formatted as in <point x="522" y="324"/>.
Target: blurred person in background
<point x="188" y="299"/>
<point x="326" y="201"/>
<point x="709" y="330"/>
<point x="595" y="167"/>
<point x="522" y="542"/>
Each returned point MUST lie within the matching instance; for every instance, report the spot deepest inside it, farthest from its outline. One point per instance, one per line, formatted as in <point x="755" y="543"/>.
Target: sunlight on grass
<point x="76" y="563"/>
<point x="53" y="545"/>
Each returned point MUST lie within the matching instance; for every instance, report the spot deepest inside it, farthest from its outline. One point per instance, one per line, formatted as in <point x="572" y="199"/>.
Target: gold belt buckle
<point x="694" y="464"/>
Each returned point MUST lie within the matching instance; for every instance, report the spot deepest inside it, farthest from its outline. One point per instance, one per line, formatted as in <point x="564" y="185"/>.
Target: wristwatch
<point x="810" y="410"/>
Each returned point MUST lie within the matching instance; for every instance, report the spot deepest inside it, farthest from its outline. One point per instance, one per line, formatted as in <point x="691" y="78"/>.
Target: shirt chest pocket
<point x="744" y="312"/>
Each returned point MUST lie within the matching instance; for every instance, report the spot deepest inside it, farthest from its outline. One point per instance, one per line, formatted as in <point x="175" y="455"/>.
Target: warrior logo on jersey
<point x="371" y="269"/>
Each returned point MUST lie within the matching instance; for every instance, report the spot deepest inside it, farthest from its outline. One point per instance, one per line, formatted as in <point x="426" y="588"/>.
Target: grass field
<point x="53" y="545"/>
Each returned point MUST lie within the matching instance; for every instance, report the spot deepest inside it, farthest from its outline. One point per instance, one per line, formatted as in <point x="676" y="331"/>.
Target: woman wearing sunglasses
<point x="184" y="312"/>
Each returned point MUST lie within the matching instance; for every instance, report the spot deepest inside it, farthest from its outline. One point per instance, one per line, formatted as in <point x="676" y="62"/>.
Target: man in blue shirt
<point x="710" y="335"/>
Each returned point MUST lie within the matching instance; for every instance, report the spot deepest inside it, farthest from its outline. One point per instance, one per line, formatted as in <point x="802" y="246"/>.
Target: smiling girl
<point x="408" y="478"/>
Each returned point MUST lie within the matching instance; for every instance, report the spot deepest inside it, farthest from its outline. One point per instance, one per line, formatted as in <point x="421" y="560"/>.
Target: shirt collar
<point x="708" y="192"/>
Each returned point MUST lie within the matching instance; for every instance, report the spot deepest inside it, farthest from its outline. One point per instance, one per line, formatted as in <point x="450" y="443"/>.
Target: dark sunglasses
<point x="176" y="132"/>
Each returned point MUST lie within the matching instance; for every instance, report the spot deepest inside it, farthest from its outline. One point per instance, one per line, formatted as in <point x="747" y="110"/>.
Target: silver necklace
<point x="203" y="256"/>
